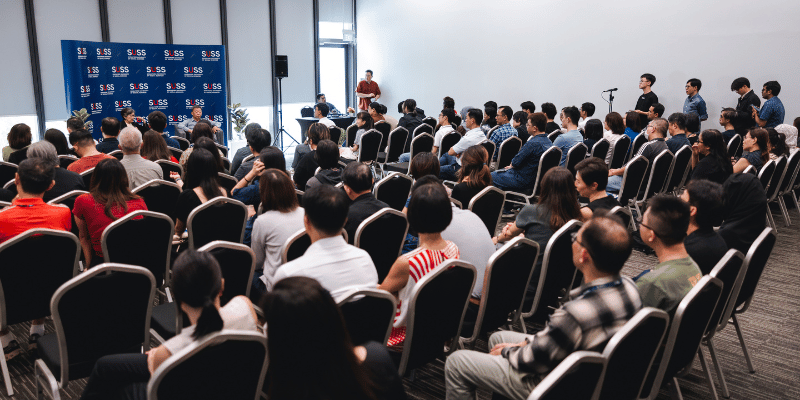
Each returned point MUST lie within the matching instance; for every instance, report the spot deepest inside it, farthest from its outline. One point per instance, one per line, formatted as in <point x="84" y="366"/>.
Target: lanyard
<point x="603" y="286"/>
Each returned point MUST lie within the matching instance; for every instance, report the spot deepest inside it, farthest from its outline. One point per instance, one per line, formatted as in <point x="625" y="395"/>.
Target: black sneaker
<point x="33" y="340"/>
<point x="12" y="350"/>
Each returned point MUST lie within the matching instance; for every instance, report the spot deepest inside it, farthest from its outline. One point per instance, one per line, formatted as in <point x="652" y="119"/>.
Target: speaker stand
<point x="281" y="132"/>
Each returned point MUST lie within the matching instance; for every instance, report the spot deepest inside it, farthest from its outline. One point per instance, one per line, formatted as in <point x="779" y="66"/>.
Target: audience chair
<point x="775" y="183"/>
<point x="64" y="160"/>
<point x="183" y="142"/>
<point x="384" y="128"/>
<point x="11" y="185"/>
<point x="226" y="165"/>
<point x="382" y="236"/>
<point x="631" y="352"/>
<point x="506" y="280"/>
<point x="765" y="174"/>
<point x="87" y="177"/>
<point x="452" y="200"/>
<point x="679" y="171"/>
<point x="600" y="149"/>
<point x="336" y="134"/>
<point x="368" y="315"/>
<point x="625" y="215"/>
<point x="448" y="141"/>
<point x="557" y="273"/>
<point x="7" y="171"/>
<point x="299" y="194"/>
<point x="30" y="276"/>
<point x="659" y="177"/>
<point x="576" y="154"/>
<point x="632" y="180"/>
<point x="295" y="246"/>
<point x="683" y="340"/>
<point x="117" y="154"/>
<point x="177" y="153"/>
<point x="788" y="182"/>
<point x="224" y="365"/>
<point x="490" y="148"/>
<point x="549" y="159"/>
<point x="422" y="128"/>
<point x="368" y="150"/>
<point x="619" y="152"/>
<point x="488" y="205"/>
<point x="750" y="170"/>
<point x="248" y="158"/>
<point x="637" y="144"/>
<point x="508" y="150"/>
<point x="554" y="135"/>
<point x="103" y="311"/>
<point x="435" y="312"/>
<point x="394" y="147"/>
<point x="430" y="121"/>
<point x="68" y="200"/>
<point x="576" y="377"/>
<point x="394" y="190"/>
<point x="227" y="181"/>
<point x="160" y="196"/>
<point x="220" y="218"/>
<point x="351" y="134"/>
<point x="735" y="146"/>
<point x="169" y="166"/>
<point x="223" y="149"/>
<point x="4" y="204"/>
<point x="422" y="143"/>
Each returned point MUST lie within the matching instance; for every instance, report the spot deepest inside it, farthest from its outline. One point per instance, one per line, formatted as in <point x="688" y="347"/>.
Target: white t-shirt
<point x="325" y="121"/>
<point x="444" y="130"/>
<point x="236" y="314"/>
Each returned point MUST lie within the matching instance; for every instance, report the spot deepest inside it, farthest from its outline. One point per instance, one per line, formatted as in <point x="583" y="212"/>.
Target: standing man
<point x="187" y="126"/>
<point x="694" y="104"/>
<point x="771" y="115"/>
<point x="366" y="91"/>
<point x="747" y="100"/>
<point x="505" y="130"/>
<point x="648" y="98"/>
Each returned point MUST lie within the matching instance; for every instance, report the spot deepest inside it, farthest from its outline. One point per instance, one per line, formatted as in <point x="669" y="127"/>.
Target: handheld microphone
<point x="610" y="90"/>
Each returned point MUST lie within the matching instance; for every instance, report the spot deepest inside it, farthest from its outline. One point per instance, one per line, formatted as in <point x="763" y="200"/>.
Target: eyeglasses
<point x="639" y="221"/>
<point x="574" y="237"/>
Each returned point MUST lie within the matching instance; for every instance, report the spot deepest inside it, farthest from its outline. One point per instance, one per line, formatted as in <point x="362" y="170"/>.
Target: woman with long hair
<point x="198" y="285"/>
<point x="248" y="191"/>
<point x="19" y="138"/>
<point x="365" y="123"/>
<point x="376" y="111"/>
<point x="296" y="310"/>
<point x="201" y="130"/>
<point x="756" y="150"/>
<point x="777" y="144"/>
<point x="202" y="185"/>
<point x="59" y="140"/>
<point x="473" y="176"/>
<point x="154" y="147"/>
<point x="710" y="159"/>
<point x="592" y="132"/>
<point x="109" y="199"/>
<point x="615" y="128"/>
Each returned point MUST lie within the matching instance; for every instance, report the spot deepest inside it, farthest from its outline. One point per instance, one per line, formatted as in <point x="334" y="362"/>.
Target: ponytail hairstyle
<point x="368" y="122"/>
<point x="197" y="282"/>
<point x="474" y="168"/>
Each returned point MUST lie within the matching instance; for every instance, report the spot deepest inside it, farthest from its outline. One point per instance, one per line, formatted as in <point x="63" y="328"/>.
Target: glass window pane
<point x="15" y="65"/>
<point x="332" y="76"/>
<point x="128" y="24"/>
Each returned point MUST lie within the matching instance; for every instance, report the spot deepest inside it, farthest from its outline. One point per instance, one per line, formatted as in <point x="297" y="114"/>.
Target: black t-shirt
<point x="645" y="101"/>
<point x="708" y="168"/>
<point x="550" y="127"/>
<point x="606" y="203"/>
<point x="386" y="383"/>
<point x="464" y="192"/>
<point x="706" y="249"/>
<point x="523" y="134"/>
<point x="187" y="201"/>
<point x="66" y="181"/>
<point x="305" y="169"/>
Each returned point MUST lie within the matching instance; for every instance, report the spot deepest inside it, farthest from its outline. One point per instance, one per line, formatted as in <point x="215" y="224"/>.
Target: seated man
<point x="521" y="174"/>
<point x="331" y="108"/>
<point x="565" y="141"/>
<point x="591" y="177"/>
<point x="727" y="119"/>
<point x="704" y="245"/>
<point x="109" y="127"/>
<point x="305" y="168"/>
<point x="358" y="181"/>
<point x="657" y="130"/>
<point x="663" y="229"/>
<point x="451" y="162"/>
<point x="257" y="140"/>
<point x="65" y="181"/>
<point x="445" y="118"/>
<point x="186" y="127"/>
<point x="139" y="169"/>
<point x="244" y="152"/>
<point x="505" y="131"/>
<point x="28" y="211"/>
<point x="83" y="144"/>
<point x="338" y="266"/>
<point x="321" y="112"/>
<point x="330" y="172"/>
<point x="587" y="111"/>
<point x="677" y="133"/>
<point x="158" y="123"/>
<point x="598" y="309"/>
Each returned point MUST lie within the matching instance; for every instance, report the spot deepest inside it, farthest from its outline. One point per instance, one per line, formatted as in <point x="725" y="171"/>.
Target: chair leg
<point x="707" y="372"/>
<point x="723" y="385"/>
<point x="782" y="203"/>
<point x="744" y="347"/>
<point x="771" y="220"/>
<point x="6" y="376"/>
<point x="674" y="389"/>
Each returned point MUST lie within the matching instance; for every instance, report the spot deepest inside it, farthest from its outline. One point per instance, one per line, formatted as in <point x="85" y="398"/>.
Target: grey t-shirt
<point x="535" y="220"/>
<point x="475" y="247"/>
<point x="236" y="314"/>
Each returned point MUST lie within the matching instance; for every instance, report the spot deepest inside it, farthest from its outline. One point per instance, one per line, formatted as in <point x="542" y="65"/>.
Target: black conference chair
<point x="679" y="172"/>
<point x="600" y="149"/>
<point x="488" y="205"/>
<point x="792" y="166"/>
<point x="183" y="142"/>
<point x="490" y="148"/>
<point x="169" y="166"/>
<point x="422" y="128"/>
<point x="370" y="317"/>
<point x="295" y="246"/>
<point x="576" y="377"/>
<point x="7" y="171"/>
<point x="735" y="146"/>
<point x="223" y="149"/>
<point x="624" y="214"/>
<point x="369" y="148"/>
<point x="226" y="165"/>
<point x="394" y="147"/>
<point x="774" y="185"/>
<point x="64" y="160"/>
<point x="549" y="159"/>
<point x="382" y="236"/>
<point x="422" y="143"/>
<point x="117" y="154"/>
<point x="638" y="142"/>
<point x="351" y="134"/>
<point x="160" y="196"/>
<point x="632" y="180"/>
<point x="448" y="141"/>
<point x="659" y="176"/>
<point x="384" y="128"/>
<point x="394" y="190"/>
<point x="575" y="155"/>
<point x="336" y="134"/>
<point x="620" y="152"/>
<point x="227" y="181"/>
<point x="508" y="150"/>
<point x="177" y="153"/>
<point x="220" y="218"/>
<point x="87" y="177"/>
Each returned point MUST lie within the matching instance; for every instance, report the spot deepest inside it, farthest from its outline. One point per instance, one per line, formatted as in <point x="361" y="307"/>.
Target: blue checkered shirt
<point x="695" y="105"/>
<point x="501" y="134"/>
<point x="773" y="112"/>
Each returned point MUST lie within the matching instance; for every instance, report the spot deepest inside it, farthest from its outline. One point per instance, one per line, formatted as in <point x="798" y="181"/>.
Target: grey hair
<point x="130" y="139"/>
<point x="44" y="150"/>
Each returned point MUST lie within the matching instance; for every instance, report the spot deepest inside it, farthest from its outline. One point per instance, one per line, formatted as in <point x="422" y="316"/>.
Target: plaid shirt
<point x="500" y="134"/>
<point x="597" y="310"/>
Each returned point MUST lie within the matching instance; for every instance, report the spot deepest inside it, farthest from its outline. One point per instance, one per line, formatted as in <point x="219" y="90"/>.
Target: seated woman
<point x="692" y="127"/>
<point x="330" y="172"/>
<point x="109" y="199"/>
<point x="473" y="176"/>
<point x="58" y="139"/>
<point x="205" y="131"/>
<point x="296" y="310"/>
<point x="756" y="150"/>
<point x="777" y="144"/>
<point x="376" y="111"/>
<point x="198" y="285"/>
<point x="423" y="164"/>
<point x="19" y="138"/>
<point x="154" y="147"/>
<point x="202" y="185"/>
<point x="715" y="164"/>
<point x="247" y="189"/>
<point x="429" y="213"/>
<point x="593" y="132"/>
<point x="615" y="128"/>
<point x="281" y="218"/>
<point x="591" y="178"/>
<point x="364" y="123"/>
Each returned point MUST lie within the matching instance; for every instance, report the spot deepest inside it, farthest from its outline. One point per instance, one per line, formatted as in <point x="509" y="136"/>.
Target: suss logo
<point x="137" y="52"/>
<point x="93" y="70"/>
<point x="176" y="118"/>
<point x="138" y="86"/>
<point x="208" y="54"/>
<point x="212" y="86"/>
<point x="192" y="70"/>
<point x="160" y="102"/>
<point x="107" y="88"/>
<point x="195" y="102"/>
<point x="96" y="106"/>
<point x="103" y="52"/>
<point x="120" y="70"/>
<point x="173" y="53"/>
<point x="81" y="51"/>
<point x="156" y="70"/>
<point x="85" y="89"/>
<point x="123" y="103"/>
<point x="176" y="86"/>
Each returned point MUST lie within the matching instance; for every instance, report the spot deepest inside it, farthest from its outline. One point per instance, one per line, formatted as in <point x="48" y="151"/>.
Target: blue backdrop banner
<point x="105" y="77"/>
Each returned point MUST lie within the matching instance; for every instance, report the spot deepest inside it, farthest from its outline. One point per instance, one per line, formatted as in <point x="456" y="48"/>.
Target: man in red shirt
<point x="83" y="143"/>
<point x="366" y="91"/>
<point x="28" y="210"/>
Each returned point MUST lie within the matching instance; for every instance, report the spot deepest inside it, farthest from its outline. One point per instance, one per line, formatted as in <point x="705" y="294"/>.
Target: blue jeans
<point x="614" y="183"/>
<point x="448" y="167"/>
<point x="405" y="157"/>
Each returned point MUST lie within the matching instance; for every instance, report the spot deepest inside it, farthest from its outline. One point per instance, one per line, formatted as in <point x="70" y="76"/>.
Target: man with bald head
<point x="139" y="169"/>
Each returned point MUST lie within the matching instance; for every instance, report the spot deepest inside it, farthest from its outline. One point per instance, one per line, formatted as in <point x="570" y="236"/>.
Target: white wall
<point x="568" y="52"/>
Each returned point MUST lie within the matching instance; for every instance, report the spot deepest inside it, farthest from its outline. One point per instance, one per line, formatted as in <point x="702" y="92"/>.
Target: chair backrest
<point x="549" y="159"/>
<point x="638" y="142"/>
<point x="448" y="141"/>
<point x="394" y="190"/>
<point x="10" y="184"/>
<point x="575" y="155"/>
<point x="182" y="142"/>
<point x="624" y="214"/>
<point x="116" y="154"/>
<point x="765" y="174"/>
<point x="554" y="135"/>
<point x="220" y="218"/>
<point x="436" y="310"/>
<point x="755" y="261"/>
<point x="430" y="121"/>
<point x="7" y="171"/>
<point x="64" y="160"/>
<point x="248" y="158"/>
<point x="630" y="353"/>
<point x="295" y="246"/>
<point x="508" y="272"/>
<point x="227" y="181"/>
<point x="422" y="143"/>
<point x="576" y="377"/>
<point x="87" y="177"/>
<point x="351" y="134"/>
<point x="492" y="129"/>
<point x="396" y="144"/>
<point x="119" y="295"/>
<point x="508" y="150"/>
<point x="223" y="149"/>
<point x="382" y="236"/>
<point x="368" y="315"/>
<point x="659" y="175"/>
<point x="169" y="166"/>
<point x="488" y="205"/>
<point x="336" y="134"/>
<point x="177" y="153"/>
<point x="554" y="280"/>
<point x="679" y="171"/>
<point x="600" y="149"/>
<point x="68" y="199"/>
<point x="792" y="166"/>
<point x="735" y="145"/>
<point x="30" y="276"/>
<point x="237" y="263"/>
<point x="226" y="164"/>
<point x="370" y="146"/>
<point x="160" y="196"/>
<point x="730" y="270"/>
<point x="141" y="238"/>
<point x="237" y="358"/>
<point x="490" y="148"/>
<point x="632" y="179"/>
<point x="384" y="128"/>
<point x="777" y="178"/>
<point x="620" y="151"/>
<point x="750" y="170"/>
